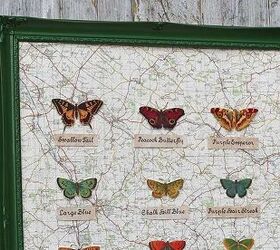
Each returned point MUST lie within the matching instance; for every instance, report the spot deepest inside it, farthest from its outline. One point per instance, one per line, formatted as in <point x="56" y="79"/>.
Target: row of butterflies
<point x="228" y="118"/>
<point x="84" y="188"/>
<point x="229" y="244"/>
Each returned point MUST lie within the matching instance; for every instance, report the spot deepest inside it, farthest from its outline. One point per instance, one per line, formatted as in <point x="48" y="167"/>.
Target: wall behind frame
<point x="216" y="12"/>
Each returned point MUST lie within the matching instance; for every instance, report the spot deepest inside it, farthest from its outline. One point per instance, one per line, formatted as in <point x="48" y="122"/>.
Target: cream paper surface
<point x="126" y="78"/>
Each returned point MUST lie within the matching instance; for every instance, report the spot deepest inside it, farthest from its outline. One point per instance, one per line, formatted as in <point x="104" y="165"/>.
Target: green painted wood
<point x="15" y="29"/>
<point x="10" y="151"/>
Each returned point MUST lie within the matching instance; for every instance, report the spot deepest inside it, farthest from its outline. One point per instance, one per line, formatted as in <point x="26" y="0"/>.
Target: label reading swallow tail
<point x="76" y="140"/>
<point x="233" y="211"/>
<point x="159" y="141"/>
<point x="76" y="213"/>
<point x="165" y="213"/>
<point x="233" y="143"/>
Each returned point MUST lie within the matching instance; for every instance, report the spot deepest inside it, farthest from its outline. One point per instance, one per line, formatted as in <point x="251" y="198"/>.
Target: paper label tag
<point x="165" y="213"/>
<point x="76" y="213"/>
<point x="233" y="211"/>
<point x="91" y="247"/>
<point x="76" y="140"/>
<point x="159" y="141"/>
<point x="233" y="143"/>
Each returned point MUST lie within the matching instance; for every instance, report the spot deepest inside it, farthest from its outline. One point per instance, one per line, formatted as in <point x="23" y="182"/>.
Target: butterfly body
<point x="162" y="118"/>
<point x="162" y="245"/>
<point x="70" y="112"/>
<point x="245" y="244"/>
<point x="71" y="189"/>
<point x="236" y="187"/>
<point x="170" y="189"/>
<point x="231" y="119"/>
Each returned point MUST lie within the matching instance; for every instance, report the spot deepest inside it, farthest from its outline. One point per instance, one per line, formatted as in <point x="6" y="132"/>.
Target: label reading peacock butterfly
<point x="159" y="141"/>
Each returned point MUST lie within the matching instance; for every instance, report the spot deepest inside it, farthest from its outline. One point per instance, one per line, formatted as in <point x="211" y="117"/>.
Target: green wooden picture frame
<point x="21" y="29"/>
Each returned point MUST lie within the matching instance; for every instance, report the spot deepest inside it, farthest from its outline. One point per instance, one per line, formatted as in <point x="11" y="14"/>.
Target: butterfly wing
<point x="230" y="244"/>
<point x="157" y="245"/>
<point x="66" y="110"/>
<point x="66" y="248"/>
<point x="86" y="186"/>
<point x="244" y="118"/>
<point x="174" y="187"/>
<point x="87" y="109"/>
<point x="177" y="244"/>
<point x="159" y="189"/>
<point x="247" y="244"/>
<point x="224" y="117"/>
<point x="242" y="187"/>
<point x="171" y="116"/>
<point x="91" y="248"/>
<point x="69" y="187"/>
<point x="230" y="187"/>
<point x="152" y="115"/>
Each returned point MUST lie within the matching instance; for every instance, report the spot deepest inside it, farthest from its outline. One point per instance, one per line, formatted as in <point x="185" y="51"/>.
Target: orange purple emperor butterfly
<point x="84" y="111"/>
<point x="231" y="119"/>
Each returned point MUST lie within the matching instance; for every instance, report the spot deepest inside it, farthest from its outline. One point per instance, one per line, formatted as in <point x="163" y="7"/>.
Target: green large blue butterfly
<point x="82" y="188"/>
<point x="245" y="244"/>
<point x="236" y="187"/>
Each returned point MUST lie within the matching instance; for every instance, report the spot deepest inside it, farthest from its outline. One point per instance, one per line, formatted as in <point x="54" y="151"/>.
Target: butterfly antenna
<point x="165" y="106"/>
<point x="157" y="105"/>
<point x="90" y="126"/>
<point x="243" y="237"/>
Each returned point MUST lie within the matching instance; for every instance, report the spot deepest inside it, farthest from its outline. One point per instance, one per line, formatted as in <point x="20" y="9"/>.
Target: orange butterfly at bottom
<point x="162" y="245"/>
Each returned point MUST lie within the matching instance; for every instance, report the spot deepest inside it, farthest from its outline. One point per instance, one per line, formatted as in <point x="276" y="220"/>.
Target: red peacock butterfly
<point x="162" y="118"/>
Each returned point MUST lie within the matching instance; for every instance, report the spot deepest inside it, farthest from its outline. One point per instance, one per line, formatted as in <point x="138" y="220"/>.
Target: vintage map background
<point x="126" y="78"/>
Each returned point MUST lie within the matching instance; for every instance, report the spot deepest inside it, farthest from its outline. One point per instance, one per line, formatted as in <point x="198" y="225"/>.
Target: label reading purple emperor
<point x="233" y="143"/>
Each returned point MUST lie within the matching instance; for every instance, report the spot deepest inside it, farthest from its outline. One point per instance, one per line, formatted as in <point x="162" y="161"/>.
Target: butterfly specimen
<point x="170" y="189"/>
<point x="84" y="111"/>
<point x="245" y="244"/>
<point x="236" y="187"/>
<point x="84" y="248"/>
<point x="162" y="245"/>
<point x="82" y="188"/>
<point x="231" y="119"/>
<point x="162" y="118"/>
